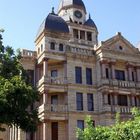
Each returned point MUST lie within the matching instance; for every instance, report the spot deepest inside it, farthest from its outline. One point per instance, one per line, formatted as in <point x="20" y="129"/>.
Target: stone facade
<point x="106" y="74"/>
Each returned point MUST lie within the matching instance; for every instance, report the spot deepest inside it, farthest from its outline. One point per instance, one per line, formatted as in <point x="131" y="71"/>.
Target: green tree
<point x="129" y="130"/>
<point x="16" y="94"/>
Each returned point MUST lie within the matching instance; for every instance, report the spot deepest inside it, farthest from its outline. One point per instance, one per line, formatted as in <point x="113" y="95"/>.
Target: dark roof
<point x="54" y="23"/>
<point x="90" y="23"/>
<point x="65" y="3"/>
<point x="79" y="3"/>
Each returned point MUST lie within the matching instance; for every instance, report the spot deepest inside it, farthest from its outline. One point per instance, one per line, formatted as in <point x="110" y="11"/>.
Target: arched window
<point x="61" y="47"/>
<point x="52" y="46"/>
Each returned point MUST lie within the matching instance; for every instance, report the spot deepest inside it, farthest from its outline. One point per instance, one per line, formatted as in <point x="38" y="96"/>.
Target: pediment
<point x="120" y="44"/>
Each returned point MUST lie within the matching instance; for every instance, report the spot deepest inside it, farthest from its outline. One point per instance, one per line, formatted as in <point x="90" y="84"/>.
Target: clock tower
<point x="72" y="10"/>
<point x="83" y="31"/>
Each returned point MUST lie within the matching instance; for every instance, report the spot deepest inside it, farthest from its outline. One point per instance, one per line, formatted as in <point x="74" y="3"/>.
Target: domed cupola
<point x="90" y="23"/>
<point x="64" y="4"/>
<point x="53" y="23"/>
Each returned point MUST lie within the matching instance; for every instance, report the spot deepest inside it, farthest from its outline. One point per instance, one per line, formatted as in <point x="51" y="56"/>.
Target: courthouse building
<point x="78" y="76"/>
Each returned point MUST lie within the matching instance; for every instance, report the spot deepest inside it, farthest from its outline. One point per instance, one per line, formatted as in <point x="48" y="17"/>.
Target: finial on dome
<point x="53" y="10"/>
<point x="89" y="16"/>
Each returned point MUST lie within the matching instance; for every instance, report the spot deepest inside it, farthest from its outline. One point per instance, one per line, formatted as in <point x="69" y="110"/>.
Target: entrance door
<point x="54" y="130"/>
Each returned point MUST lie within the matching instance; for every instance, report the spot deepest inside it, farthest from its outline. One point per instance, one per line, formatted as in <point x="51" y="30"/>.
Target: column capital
<point x="130" y="65"/>
<point x="45" y="59"/>
<point x="103" y="61"/>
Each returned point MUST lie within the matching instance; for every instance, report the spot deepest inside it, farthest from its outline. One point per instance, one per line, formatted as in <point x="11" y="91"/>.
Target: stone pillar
<point x="105" y="99"/>
<point x="65" y="72"/>
<point x="138" y="74"/>
<point x="86" y="36"/>
<point x="45" y="67"/>
<point x="126" y="74"/>
<point x="10" y="133"/>
<point x="111" y="96"/>
<point x="113" y="71"/>
<point x="44" y="131"/>
<point x="78" y="34"/>
<point x="45" y="97"/>
<point x="128" y="100"/>
<point x="37" y="74"/>
<point x="103" y="71"/>
<point x="116" y="99"/>
<point x="133" y="100"/>
<point x="130" y="73"/>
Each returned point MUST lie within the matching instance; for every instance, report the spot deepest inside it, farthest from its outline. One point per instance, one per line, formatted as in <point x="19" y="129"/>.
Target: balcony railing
<point x="119" y="83"/>
<point x="53" y="80"/>
<point x="28" y="53"/>
<point x="53" y="108"/>
<point x="115" y="109"/>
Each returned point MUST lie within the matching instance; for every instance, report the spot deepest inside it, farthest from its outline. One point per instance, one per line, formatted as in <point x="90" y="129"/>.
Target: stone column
<point x="126" y="74"/>
<point x="86" y="36"/>
<point x="44" y="131"/>
<point x="116" y="99"/>
<point x="133" y="100"/>
<point x="103" y="71"/>
<point x="45" y="97"/>
<point x="78" y="34"/>
<point x="65" y="72"/>
<point x="138" y="74"/>
<point x="128" y="100"/>
<point x="113" y="70"/>
<point x="130" y="73"/>
<point x="105" y="99"/>
<point x="45" y="67"/>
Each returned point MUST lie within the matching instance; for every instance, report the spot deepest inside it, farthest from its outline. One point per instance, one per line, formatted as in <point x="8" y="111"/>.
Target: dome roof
<point x="53" y="23"/>
<point x="65" y="3"/>
<point x="90" y="23"/>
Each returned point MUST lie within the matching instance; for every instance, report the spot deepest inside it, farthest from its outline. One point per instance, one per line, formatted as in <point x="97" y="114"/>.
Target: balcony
<point x="115" y="109"/>
<point x="56" y="84"/>
<point x="53" y="112"/>
<point x="119" y="83"/>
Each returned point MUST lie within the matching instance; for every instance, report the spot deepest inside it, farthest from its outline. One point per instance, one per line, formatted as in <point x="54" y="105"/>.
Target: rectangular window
<point x="90" y="102"/>
<point x="78" y="75"/>
<point x="109" y="99"/>
<point x="120" y="75"/>
<point x="89" y="36"/>
<point x="122" y="100"/>
<point x="136" y="103"/>
<point x="133" y="79"/>
<point x="79" y="101"/>
<point x="75" y="33"/>
<point x="89" y="76"/>
<point x="80" y="124"/>
<point x="107" y="73"/>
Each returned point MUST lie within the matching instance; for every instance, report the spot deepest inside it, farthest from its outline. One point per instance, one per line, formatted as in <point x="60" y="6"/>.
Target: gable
<point x="120" y="44"/>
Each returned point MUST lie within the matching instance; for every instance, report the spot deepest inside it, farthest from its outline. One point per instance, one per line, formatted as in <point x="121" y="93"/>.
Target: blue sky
<point x="21" y="19"/>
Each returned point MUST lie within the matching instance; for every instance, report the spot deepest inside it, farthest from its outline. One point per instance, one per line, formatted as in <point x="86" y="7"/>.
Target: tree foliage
<point x="16" y="94"/>
<point x="129" y="130"/>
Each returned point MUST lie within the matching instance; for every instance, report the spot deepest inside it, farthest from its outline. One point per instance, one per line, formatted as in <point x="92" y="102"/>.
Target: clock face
<point x="78" y="14"/>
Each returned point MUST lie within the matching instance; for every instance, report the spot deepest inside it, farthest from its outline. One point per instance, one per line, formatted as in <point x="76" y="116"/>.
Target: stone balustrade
<point x="53" y="80"/>
<point x="119" y="109"/>
<point x="119" y="83"/>
<point x="52" y="108"/>
<point x="28" y="53"/>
